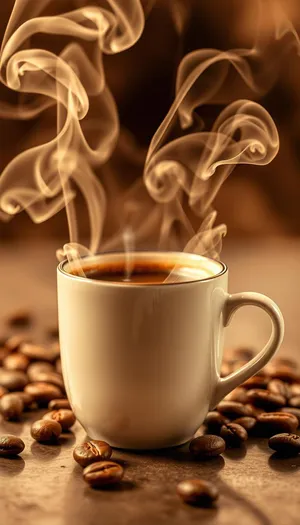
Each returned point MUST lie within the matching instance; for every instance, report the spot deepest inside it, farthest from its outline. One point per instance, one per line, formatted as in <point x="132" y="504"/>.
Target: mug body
<point x="141" y="362"/>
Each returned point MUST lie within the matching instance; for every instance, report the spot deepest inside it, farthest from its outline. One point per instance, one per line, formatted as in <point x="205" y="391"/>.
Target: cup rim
<point x="79" y="278"/>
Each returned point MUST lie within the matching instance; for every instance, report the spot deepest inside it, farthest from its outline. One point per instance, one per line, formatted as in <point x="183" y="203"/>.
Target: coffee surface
<point x="140" y="276"/>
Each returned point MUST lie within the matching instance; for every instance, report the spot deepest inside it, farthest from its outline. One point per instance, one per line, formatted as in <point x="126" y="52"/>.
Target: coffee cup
<point x="141" y="358"/>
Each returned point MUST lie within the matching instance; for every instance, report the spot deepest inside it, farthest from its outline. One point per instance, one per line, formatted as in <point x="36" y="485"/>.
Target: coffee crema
<point x="144" y="272"/>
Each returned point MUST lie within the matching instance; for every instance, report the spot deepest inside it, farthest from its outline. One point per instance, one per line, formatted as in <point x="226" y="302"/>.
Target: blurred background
<point x="254" y="201"/>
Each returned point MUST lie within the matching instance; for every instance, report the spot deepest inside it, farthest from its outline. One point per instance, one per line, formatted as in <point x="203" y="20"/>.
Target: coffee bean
<point x="38" y="367"/>
<point x="197" y="492"/>
<point x="38" y="352"/>
<point x="58" y="365"/>
<point x="52" y="332"/>
<point x="233" y="409"/>
<point x="294" y="389"/>
<point x="225" y="369"/>
<point x="248" y="423"/>
<point x="65" y="417"/>
<point x="285" y="444"/>
<point x="13" y="379"/>
<point x="234" y="434"/>
<point x="11" y="406"/>
<point x="293" y="411"/>
<point x="256" y="382"/>
<point x="294" y="401"/>
<point x="4" y="352"/>
<point x="265" y="399"/>
<point x="254" y="411"/>
<point x="15" y="341"/>
<point x="45" y="431"/>
<point x="244" y="353"/>
<point x="3" y="391"/>
<point x="10" y="446"/>
<point x="214" y="420"/>
<point x="285" y="373"/>
<point x="285" y="361"/>
<point x="20" y="318"/>
<point x="276" y="386"/>
<point x="26" y="398"/>
<point x="42" y="393"/>
<point x="208" y="446"/>
<point x="53" y="378"/>
<point x="16" y="361"/>
<point x="103" y="473"/>
<point x="91" y="451"/>
<point x="272" y="423"/>
<point x="238" y="394"/>
<point x="56" y="404"/>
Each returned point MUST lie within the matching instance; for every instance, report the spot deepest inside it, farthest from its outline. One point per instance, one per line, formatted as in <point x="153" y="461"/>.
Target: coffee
<point x="145" y="272"/>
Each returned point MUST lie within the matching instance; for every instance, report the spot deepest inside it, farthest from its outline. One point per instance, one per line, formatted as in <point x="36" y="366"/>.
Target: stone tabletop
<point x="45" y="485"/>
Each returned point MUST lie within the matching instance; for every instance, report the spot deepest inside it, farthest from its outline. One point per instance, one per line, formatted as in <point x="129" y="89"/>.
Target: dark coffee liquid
<point x="139" y="277"/>
<point x="143" y="272"/>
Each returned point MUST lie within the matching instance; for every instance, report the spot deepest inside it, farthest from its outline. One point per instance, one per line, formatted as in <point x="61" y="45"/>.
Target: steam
<point x="181" y="175"/>
<point x="87" y="125"/>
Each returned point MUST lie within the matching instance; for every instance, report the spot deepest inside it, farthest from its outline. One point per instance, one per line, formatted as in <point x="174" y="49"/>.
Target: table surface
<point x="45" y="486"/>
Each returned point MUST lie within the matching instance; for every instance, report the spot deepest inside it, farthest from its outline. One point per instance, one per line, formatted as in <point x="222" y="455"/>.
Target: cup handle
<point x="233" y="303"/>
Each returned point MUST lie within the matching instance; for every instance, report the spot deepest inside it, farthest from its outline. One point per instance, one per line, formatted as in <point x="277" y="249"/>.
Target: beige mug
<point x="141" y="363"/>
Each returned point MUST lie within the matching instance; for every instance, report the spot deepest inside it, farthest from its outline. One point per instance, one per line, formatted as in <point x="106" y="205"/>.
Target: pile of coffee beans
<point x="266" y="405"/>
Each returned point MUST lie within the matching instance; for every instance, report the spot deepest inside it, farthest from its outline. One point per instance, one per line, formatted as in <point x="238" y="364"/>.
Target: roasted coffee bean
<point x="10" y="446"/>
<point x="16" y="361"/>
<point x="45" y="431"/>
<point x="214" y="420"/>
<point x="271" y="423"/>
<point x="208" y="446"/>
<point x="38" y="352"/>
<point x="285" y="373"/>
<point x="19" y="319"/>
<point x="197" y="492"/>
<point x="42" y="393"/>
<point x="53" y="378"/>
<point x="3" y="391"/>
<point x="238" y="394"/>
<point x="294" y="390"/>
<point x="13" y="379"/>
<point x="58" y="365"/>
<point x="237" y="364"/>
<point x="103" y="473"/>
<point x="38" y="367"/>
<point x="26" y="398"/>
<point x="276" y="386"/>
<point x="294" y="401"/>
<point x="64" y="416"/>
<point x="4" y="352"/>
<point x="15" y="341"/>
<point x="244" y="353"/>
<point x="56" y="404"/>
<point x="52" y="332"/>
<point x="225" y="369"/>
<point x="248" y="423"/>
<point x="11" y="406"/>
<point x="234" y="434"/>
<point x="256" y="382"/>
<point x="293" y="411"/>
<point x="91" y="451"/>
<point x="233" y="409"/>
<point x="254" y="411"/>
<point x="285" y="444"/>
<point x="285" y="361"/>
<point x="265" y="399"/>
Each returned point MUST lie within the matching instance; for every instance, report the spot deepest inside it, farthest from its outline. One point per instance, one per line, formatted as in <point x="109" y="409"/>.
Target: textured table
<point x="45" y="486"/>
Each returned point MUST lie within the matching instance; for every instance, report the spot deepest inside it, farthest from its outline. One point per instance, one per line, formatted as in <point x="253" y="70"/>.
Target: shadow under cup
<point x="141" y="344"/>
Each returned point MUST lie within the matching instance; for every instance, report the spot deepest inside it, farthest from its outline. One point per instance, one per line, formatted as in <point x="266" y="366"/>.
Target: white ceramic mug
<point x="141" y="363"/>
